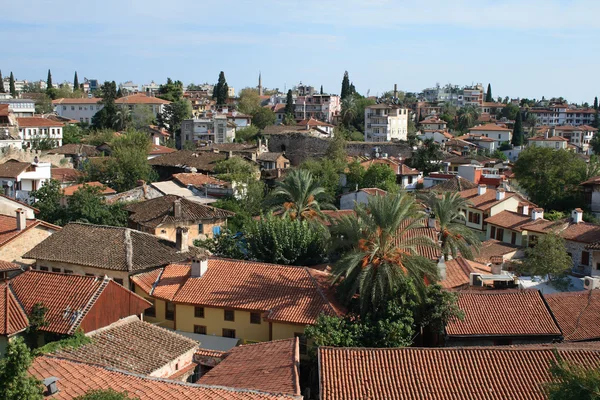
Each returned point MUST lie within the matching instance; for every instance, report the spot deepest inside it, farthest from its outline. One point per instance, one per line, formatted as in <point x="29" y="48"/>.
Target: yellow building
<point x="251" y="301"/>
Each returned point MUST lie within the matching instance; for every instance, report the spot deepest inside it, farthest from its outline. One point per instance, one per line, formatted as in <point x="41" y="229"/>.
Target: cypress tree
<point x="595" y="99"/>
<point x="75" y="82"/>
<point x="218" y="93"/>
<point x="2" y="90"/>
<point x="517" y="139"/>
<point x="49" y="80"/>
<point x="345" y="86"/>
<point x="224" y="94"/>
<point x="289" y="103"/>
<point x="319" y="92"/>
<point x="13" y="90"/>
<point x="488" y="95"/>
<point x="596" y="121"/>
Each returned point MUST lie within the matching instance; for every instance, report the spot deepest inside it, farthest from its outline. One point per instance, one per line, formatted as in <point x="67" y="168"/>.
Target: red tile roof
<point x="68" y="297"/>
<point x="489" y="127"/>
<point x="583" y="232"/>
<point x="70" y="190"/>
<point x="514" y="221"/>
<point x="196" y="179"/>
<point x="64" y="175"/>
<point x="13" y="168"/>
<point x="313" y="122"/>
<point x="503" y="313"/>
<point x="4" y="111"/>
<point x="548" y="139"/>
<point x="8" y="266"/>
<point x="485" y="201"/>
<point x="37" y="122"/>
<point x="269" y="366"/>
<point x="492" y="248"/>
<point x="374" y="191"/>
<point x="8" y="228"/>
<point x="486" y="373"/>
<point x="76" y="379"/>
<point x="140" y="98"/>
<point x="93" y="100"/>
<point x="577" y="314"/>
<point x="158" y="149"/>
<point x="458" y="272"/>
<point x="13" y="318"/>
<point x="283" y="293"/>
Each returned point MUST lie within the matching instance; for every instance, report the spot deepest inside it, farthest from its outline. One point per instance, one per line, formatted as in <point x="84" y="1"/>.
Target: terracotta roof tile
<point x="158" y="149"/>
<point x="140" y="98"/>
<point x="458" y="272"/>
<point x="374" y="191"/>
<point x="196" y="179"/>
<point x="93" y="100"/>
<point x="485" y="201"/>
<point x="8" y="266"/>
<point x="8" y="228"/>
<point x="107" y="247"/>
<point x="583" y="232"/>
<point x="131" y="345"/>
<point x="37" y="122"/>
<point x="503" y="313"/>
<point x="75" y="379"/>
<point x="70" y="190"/>
<point x="454" y="184"/>
<point x="64" y="175"/>
<point x="509" y="220"/>
<point x="489" y="127"/>
<point x="158" y="211"/>
<point x="75" y="149"/>
<point x="486" y="373"/>
<point x="269" y="366"/>
<point x="577" y="314"/>
<point x="202" y="160"/>
<point x="270" y="156"/>
<point x="13" y="168"/>
<point x="13" y="319"/>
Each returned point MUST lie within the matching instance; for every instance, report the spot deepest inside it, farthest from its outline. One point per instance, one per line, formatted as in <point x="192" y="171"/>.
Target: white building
<point x="440" y="137"/>
<point x="150" y="88"/>
<point x="129" y="87"/>
<point x="20" y="107"/>
<point x="213" y="129"/>
<point x="499" y="133"/>
<point x="156" y="105"/>
<point x="324" y="107"/>
<point x="19" y="179"/>
<point x="81" y="110"/>
<point x="34" y="129"/>
<point x="384" y="123"/>
<point x="19" y="85"/>
<point x="348" y="201"/>
<point x="552" y="142"/>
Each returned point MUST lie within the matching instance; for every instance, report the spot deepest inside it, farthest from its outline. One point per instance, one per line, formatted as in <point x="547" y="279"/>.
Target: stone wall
<point x="299" y="147"/>
<point x="28" y="155"/>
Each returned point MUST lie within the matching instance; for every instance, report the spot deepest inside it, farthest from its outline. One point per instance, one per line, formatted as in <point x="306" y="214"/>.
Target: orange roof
<point x="158" y="149"/>
<point x="8" y="227"/>
<point x="577" y="313"/>
<point x="489" y="127"/>
<point x="8" y="266"/>
<point x="548" y="139"/>
<point x="37" y="122"/>
<point x="76" y="379"/>
<point x="196" y="179"/>
<point x="503" y="313"/>
<point x="66" y="174"/>
<point x="593" y="181"/>
<point x="458" y="272"/>
<point x="86" y="100"/>
<point x="458" y="373"/>
<point x="13" y="318"/>
<point x="373" y="191"/>
<point x="485" y="201"/>
<point x="70" y="190"/>
<point x="4" y="111"/>
<point x="313" y="122"/>
<point x="583" y="232"/>
<point x="269" y="366"/>
<point x="243" y="285"/>
<point x="140" y="98"/>
<point x="494" y="248"/>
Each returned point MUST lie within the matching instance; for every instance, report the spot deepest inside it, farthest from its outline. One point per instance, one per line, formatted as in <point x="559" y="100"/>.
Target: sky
<point x="524" y="48"/>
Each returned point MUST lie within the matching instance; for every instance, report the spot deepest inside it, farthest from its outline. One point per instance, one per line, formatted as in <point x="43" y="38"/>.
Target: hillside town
<point x="194" y="241"/>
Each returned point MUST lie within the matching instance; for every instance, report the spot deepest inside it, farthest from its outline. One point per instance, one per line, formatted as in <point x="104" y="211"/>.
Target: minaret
<point x="260" y="89"/>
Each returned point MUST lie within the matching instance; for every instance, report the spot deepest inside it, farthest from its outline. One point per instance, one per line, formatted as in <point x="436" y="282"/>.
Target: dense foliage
<point x="549" y="257"/>
<point x="15" y="381"/>
<point x="572" y="382"/>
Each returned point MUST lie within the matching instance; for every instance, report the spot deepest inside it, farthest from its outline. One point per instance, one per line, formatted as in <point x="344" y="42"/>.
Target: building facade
<point x="384" y="123"/>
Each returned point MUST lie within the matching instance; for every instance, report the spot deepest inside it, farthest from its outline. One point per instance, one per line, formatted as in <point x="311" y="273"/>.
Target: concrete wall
<point x="169" y="231"/>
<point x="9" y="207"/>
<point x="83" y="270"/>
<point x="14" y="250"/>
<point x="29" y="155"/>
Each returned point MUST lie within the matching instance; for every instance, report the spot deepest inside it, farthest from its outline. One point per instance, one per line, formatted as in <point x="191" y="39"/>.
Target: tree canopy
<point x="572" y="382"/>
<point x="263" y="117"/>
<point x="249" y="101"/>
<point x="15" y="381"/>
<point x="518" y="138"/>
<point x="488" y="95"/>
<point x="221" y="90"/>
<point x="171" y="91"/>
<point x="549" y="257"/>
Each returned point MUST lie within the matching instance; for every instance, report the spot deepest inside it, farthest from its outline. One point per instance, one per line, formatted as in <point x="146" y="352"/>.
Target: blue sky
<point x="526" y="48"/>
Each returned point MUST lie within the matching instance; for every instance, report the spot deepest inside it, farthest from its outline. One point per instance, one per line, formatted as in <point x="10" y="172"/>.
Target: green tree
<point x="467" y="117"/>
<point x="281" y="240"/>
<point x="15" y="382"/>
<point x="549" y="257"/>
<point x="518" y="138"/>
<point x="88" y="205"/>
<point x="595" y="100"/>
<point x="428" y="157"/>
<point x="596" y="124"/>
<point x="249" y="101"/>
<point x="37" y="320"/>
<point x="122" y="118"/>
<point x="510" y="111"/>
<point x="48" y="202"/>
<point x="142" y="116"/>
<point x="11" y="86"/>
<point x="174" y="114"/>
<point x="355" y="175"/>
<point x="128" y="163"/>
<point x="105" y="394"/>
<point x="345" y="86"/>
<point x="247" y="134"/>
<point x="289" y="103"/>
<point x="455" y="238"/>
<point x="378" y="256"/>
<point x="572" y="381"/>
<point x="2" y="90"/>
<point x="320" y="92"/>
<point x="327" y="173"/>
<point x="171" y="91"/>
<point x="288" y="120"/>
<point x="43" y="104"/>
<point x="75" y="82"/>
<point x="299" y="196"/>
<point x="380" y="176"/>
<point x="550" y="177"/>
<point x="105" y="118"/>
<point x="49" y="80"/>
<point x="236" y="169"/>
<point x="221" y="90"/>
<point x="488" y="96"/>
<point x="226" y="244"/>
<point x="263" y="117"/>
<point x="497" y="154"/>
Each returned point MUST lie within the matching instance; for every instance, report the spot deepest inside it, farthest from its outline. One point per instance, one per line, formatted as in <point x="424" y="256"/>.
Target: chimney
<point x="525" y="209"/>
<point x="441" y="267"/>
<point x="546" y="135"/>
<point x="51" y="386"/>
<point x="177" y="209"/>
<point x="21" y="219"/>
<point x="500" y="193"/>
<point x="481" y="189"/>
<point x="497" y="264"/>
<point x="431" y="221"/>
<point x="181" y="239"/>
<point x="553" y="131"/>
<point x="577" y="216"/>
<point x="538" y="213"/>
<point x="395" y="90"/>
<point x="199" y="266"/>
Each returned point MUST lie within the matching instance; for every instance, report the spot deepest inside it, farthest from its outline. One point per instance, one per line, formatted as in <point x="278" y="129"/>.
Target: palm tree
<point x="381" y="245"/>
<point x="299" y="196"/>
<point x="122" y="118"/>
<point x="454" y="236"/>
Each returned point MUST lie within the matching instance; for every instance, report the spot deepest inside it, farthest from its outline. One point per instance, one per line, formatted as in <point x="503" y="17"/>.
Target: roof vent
<point x="51" y="386"/>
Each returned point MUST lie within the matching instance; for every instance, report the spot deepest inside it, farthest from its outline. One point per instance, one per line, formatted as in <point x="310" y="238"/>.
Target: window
<point x="43" y="268"/>
<point x="119" y="281"/>
<point x="585" y="258"/>
<point x="64" y="108"/>
<point x="200" y="229"/>
<point x="72" y="108"/>
<point x="89" y="275"/>
<point x="499" y="234"/>
<point x="200" y="329"/>
<point x="199" y="312"/>
<point x="150" y="312"/>
<point x="255" y="318"/>
<point x="230" y="333"/>
<point x="55" y="269"/>
<point x="229" y="315"/>
<point x="169" y="311"/>
<point x="68" y="271"/>
<point x="492" y="232"/>
<point x="302" y="342"/>
<point x="513" y="238"/>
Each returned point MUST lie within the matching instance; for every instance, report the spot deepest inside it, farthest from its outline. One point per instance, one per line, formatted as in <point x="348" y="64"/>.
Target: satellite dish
<point x="9" y="183"/>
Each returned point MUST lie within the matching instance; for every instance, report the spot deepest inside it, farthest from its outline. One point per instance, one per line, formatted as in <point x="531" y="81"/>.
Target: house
<point x="433" y="123"/>
<point x="13" y="318"/>
<point x="87" y="249"/>
<point x="35" y="129"/>
<point x="206" y="184"/>
<point x="8" y="206"/>
<point x="457" y="272"/>
<point x="493" y="373"/>
<point x="66" y="176"/>
<point x="323" y="107"/>
<point x="212" y="129"/>
<point x="499" y="133"/>
<point x="502" y="317"/>
<point x="272" y="160"/>
<point x="520" y="228"/>
<point x="591" y="193"/>
<point x="138" y="347"/>
<point x="82" y="110"/>
<point x="451" y="183"/>
<point x="139" y="193"/>
<point x="8" y="270"/>
<point x="385" y="122"/>
<point x="243" y="367"/>
<point x="492" y="248"/>
<point x="77" y="152"/>
<point x="406" y="176"/>
<point x="438" y="136"/>
<point x="19" y="234"/>
<point x="186" y="161"/>
<point x="164" y="215"/>
<point x="9" y="130"/>
<point x="72" y="379"/>
<point x="92" y="302"/>
<point x="104" y="190"/>
<point x="18" y="179"/>
<point x="158" y="135"/>
<point x="250" y="301"/>
<point x="582" y="240"/>
<point x="481" y="141"/>
<point x="349" y="200"/>
<point x="157" y="150"/>
<point x="553" y="142"/>
<point x="314" y="124"/>
<point x="156" y="105"/>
